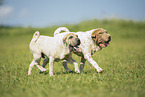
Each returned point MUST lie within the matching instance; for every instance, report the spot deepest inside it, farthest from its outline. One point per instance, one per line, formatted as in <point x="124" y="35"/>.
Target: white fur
<point x="87" y="48"/>
<point x="52" y="47"/>
<point x="61" y="29"/>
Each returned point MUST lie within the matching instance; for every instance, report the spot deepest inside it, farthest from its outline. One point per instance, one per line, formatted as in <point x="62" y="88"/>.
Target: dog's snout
<point x="109" y="38"/>
<point x="78" y="41"/>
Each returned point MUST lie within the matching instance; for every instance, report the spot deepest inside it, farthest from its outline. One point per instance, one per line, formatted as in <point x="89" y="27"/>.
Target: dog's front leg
<point x="45" y="61"/>
<point x="90" y="59"/>
<point x="82" y="64"/>
<point x="37" y="64"/>
<point x="72" y="61"/>
<point x="31" y="66"/>
<point x="51" y="61"/>
<point x="65" y="66"/>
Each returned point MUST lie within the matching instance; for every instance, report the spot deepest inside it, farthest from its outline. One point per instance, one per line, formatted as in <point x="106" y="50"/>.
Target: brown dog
<point x="101" y="37"/>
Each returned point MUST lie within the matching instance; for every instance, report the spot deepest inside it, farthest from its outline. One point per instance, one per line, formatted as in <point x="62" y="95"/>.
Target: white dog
<point x="54" y="48"/>
<point x="91" y="41"/>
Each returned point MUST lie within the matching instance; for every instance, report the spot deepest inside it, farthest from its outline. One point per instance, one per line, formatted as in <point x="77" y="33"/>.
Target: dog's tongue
<point x="76" y="48"/>
<point x="106" y="43"/>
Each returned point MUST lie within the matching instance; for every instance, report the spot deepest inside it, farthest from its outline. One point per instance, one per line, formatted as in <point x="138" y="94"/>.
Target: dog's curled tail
<point x="36" y="36"/>
<point x="58" y="30"/>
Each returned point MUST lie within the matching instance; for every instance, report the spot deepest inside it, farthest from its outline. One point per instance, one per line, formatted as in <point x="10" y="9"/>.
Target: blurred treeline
<point x="118" y="28"/>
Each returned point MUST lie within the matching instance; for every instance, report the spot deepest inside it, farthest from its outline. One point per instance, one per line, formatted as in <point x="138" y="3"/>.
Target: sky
<point x="41" y="13"/>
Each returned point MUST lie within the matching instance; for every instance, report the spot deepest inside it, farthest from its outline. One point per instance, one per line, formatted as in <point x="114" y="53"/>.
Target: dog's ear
<point x="98" y="31"/>
<point x="65" y="39"/>
<point x="66" y="36"/>
<point x="95" y="33"/>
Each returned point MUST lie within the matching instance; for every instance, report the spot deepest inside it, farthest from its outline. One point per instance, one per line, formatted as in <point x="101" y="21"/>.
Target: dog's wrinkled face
<point x="72" y="41"/>
<point x="101" y="37"/>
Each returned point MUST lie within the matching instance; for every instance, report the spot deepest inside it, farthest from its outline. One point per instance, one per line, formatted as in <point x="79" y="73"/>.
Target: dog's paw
<point x="69" y="71"/>
<point x="43" y="71"/>
<point x="100" y="70"/>
<point x="51" y="75"/>
<point x="29" y="73"/>
<point x="77" y="71"/>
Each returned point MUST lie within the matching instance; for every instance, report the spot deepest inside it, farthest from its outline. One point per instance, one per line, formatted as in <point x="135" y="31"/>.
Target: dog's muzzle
<point x="76" y="46"/>
<point x="105" y="43"/>
<point x="78" y="41"/>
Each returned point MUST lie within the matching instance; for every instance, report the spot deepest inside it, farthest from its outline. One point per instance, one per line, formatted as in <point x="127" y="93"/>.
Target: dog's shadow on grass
<point x="59" y="73"/>
<point x="71" y="72"/>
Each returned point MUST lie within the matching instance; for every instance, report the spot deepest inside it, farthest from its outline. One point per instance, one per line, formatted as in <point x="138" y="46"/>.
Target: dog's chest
<point x="94" y="49"/>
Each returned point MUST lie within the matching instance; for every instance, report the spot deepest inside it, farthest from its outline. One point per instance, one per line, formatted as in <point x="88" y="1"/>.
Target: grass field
<point x="123" y="62"/>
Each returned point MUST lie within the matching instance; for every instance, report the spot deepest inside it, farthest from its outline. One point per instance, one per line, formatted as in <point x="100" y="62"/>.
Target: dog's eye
<point x="76" y="35"/>
<point x="100" y="42"/>
<point x="70" y="37"/>
<point x="101" y="33"/>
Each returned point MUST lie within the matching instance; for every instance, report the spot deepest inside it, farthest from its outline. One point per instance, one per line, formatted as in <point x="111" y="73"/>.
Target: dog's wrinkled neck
<point x="71" y="48"/>
<point x="95" y="39"/>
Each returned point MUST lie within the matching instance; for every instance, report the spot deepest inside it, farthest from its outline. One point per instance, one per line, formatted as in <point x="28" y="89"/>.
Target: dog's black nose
<point x="79" y="42"/>
<point x="109" y="38"/>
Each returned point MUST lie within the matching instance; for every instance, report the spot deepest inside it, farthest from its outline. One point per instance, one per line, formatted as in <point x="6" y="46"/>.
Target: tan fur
<point x="89" y="45"/>
<point x="53" y="48"/>
<point x="68" y="40"/>
<point x="91" y="41"/>
<point x="99" y="35"/>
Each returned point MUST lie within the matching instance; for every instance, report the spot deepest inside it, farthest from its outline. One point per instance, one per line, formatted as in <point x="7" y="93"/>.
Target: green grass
<point x="123" y="62"/>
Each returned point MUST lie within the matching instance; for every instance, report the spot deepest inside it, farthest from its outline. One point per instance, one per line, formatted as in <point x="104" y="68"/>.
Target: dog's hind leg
<point x="40" y="67"/>
<point x="45" y="61"/>
<point x="31" y="66"/>
<point x="37" y="63"/>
